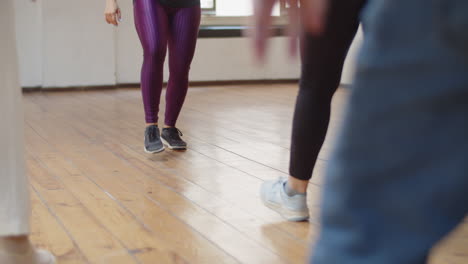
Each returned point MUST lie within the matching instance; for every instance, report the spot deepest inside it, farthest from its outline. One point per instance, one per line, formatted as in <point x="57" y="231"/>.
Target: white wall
<point x="67" y="43"/>
<point x="29" y="41"/>
<point x="215" y="59"/>
<point x="78" y="45"/>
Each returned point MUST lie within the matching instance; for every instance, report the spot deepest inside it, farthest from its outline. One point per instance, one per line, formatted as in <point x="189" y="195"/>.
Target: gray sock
<point x="290" y="191"/>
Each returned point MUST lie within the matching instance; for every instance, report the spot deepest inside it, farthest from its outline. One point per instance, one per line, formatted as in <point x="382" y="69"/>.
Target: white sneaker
<point x="35" y="256"/>
<point x="292" y="208"/>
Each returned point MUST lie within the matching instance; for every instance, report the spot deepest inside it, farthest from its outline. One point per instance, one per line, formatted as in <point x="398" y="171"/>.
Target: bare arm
<point x="312" y="15"/>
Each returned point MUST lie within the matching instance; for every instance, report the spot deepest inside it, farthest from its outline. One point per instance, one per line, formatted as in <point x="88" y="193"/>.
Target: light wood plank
<point x="49" y="234"/>
<point x="81" y="225"/>
<point x="199" y="206"/>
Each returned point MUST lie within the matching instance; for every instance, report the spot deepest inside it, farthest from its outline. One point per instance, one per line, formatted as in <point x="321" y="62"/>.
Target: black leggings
<point x="322" y="63"/>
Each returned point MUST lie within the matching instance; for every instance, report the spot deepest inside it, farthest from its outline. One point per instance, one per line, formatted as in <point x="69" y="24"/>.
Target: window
<point x="231" y="12"/>
<point x="231" y="8"/>
<point x="208" y="6"/>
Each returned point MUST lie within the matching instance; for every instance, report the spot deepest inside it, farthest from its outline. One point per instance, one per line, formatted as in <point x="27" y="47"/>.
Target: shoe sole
<point x="172" y="147"/>
<point x="154" y="151"/>
<point x="292" y="216"/>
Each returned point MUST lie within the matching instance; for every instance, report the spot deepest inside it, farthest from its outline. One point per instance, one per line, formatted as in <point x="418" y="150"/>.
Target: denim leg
<point x="398" y="178"/>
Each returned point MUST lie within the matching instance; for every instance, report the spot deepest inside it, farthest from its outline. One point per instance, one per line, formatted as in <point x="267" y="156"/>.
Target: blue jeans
<point x="398" y="180"/>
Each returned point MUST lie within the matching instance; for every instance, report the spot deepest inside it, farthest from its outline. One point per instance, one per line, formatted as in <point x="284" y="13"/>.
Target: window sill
<point x="233" y="31"/>
<point x="212" y="20"/>
<point x="234" y="27"/>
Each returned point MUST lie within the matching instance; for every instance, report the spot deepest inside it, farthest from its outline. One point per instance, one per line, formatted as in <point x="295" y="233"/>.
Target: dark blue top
<point x="179" y="3"/>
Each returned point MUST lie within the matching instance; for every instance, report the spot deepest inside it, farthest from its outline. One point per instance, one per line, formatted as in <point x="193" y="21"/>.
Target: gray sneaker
<point x="171" y="137"/>
<point x="292" y="208"/>
<point x="153" y="143"/>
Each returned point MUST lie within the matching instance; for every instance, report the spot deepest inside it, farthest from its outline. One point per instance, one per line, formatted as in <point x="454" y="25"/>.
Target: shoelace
<point x="174" y="129"/>
<point x="152" y="133"/>
<point x="279" y="181"/>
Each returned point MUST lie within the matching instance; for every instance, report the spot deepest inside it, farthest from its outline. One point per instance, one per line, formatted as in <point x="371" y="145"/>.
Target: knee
<point x="155" y="53"/>
<point x="181" y="68"/>
<point x="316" y="89"/>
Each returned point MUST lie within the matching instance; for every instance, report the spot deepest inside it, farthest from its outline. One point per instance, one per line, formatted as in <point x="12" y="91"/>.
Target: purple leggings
<point x="158" y="26"/>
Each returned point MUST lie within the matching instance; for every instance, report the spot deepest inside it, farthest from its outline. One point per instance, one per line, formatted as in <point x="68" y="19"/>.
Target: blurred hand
<point x="112" y="12"/>
<point x="308" y="14"/>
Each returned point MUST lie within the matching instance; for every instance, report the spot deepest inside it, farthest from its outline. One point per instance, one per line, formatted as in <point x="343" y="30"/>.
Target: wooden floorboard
<point x="98" y="198"/>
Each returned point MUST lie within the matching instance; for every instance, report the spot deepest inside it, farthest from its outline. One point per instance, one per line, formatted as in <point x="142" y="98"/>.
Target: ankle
<point x="290" y="191"/>
<point x="296" y="185"/>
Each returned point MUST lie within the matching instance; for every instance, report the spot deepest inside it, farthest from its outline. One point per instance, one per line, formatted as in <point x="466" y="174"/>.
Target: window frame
<point x="210" y="11"/>
<point x="209" y="18"/>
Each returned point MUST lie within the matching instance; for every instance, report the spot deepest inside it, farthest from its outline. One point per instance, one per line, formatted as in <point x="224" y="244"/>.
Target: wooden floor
<point x="98" y="198"/>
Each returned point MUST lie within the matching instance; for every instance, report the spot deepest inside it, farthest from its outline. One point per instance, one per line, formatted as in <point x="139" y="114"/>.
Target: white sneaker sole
<point x="154" y="151"/>
<point x="290" y="215"/>
<point x="172" y="147"/>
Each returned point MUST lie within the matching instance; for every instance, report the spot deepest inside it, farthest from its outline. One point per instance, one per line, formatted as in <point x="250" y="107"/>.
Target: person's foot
<point x="43" y="257"/>
<point x="292" y="208"/>
<point x="171" y="138"/>
<point x="153" y="143"/>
